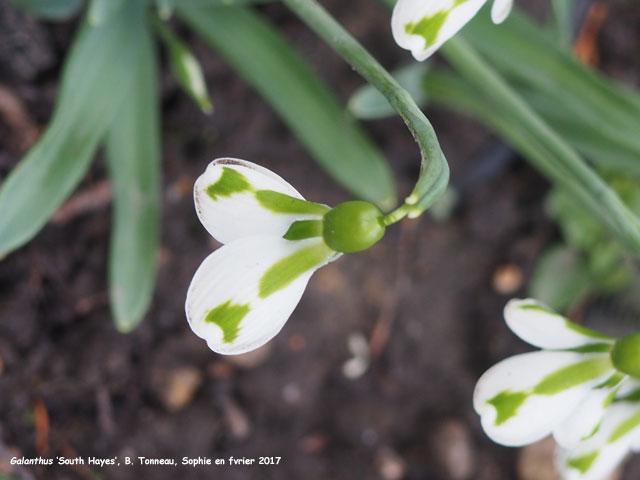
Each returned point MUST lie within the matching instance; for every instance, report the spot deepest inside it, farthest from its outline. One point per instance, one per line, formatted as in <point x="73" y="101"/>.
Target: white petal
<point x="229" y="280"/>
<point x="500" y="10"/>
<point x="595" y="458"/>
<point x="239" y="214"/>
<point x="538" y="325"/>
<point x="442" y="18"/>
<point x="514" y="399"/>
<point x="585" y="418"/>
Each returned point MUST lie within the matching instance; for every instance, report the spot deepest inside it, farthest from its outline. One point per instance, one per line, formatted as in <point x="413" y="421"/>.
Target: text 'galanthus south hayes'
<point x="582" y="387"/>
<point x="422" y="26"/>
<point x="244" y="292"/>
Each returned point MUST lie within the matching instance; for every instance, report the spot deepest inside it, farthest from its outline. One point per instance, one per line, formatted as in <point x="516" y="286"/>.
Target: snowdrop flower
<point x="563" y="389"/>
<point x="595" y="456"/>
<point x="244" y="292"/>
<point x="423" y="25"/>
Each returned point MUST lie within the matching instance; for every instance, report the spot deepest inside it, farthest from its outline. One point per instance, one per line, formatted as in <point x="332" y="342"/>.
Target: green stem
<point x="563" y="164"/>
<point x="397" y="215"/>
<point x="434" y="170"/>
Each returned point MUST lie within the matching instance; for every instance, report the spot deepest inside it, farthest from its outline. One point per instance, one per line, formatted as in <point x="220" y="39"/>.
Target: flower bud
<point x="353" y="226"/>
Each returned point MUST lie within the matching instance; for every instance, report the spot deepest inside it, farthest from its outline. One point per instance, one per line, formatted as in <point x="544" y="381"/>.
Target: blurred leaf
<point x="562" y="21"/>
<point x="95" y="78"/>
<point x="50" y="9"/>
<point x="560" y="279"/>
<point x="523" y="52"/>
<point x="185" y="68"/>
<point x="307" y="106"/>
<point x="132" y="151"/>
<point x="368" y="103"/>
<point x="100" y="11"/>
<point x="165" y="8"/>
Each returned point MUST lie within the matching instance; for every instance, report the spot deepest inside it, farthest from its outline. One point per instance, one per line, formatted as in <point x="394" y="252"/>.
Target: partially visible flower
<point x="422" y="26"/>
<point x="563" y="389"/>
<point x="244" y="292"/>
<point x="597" y="456"/>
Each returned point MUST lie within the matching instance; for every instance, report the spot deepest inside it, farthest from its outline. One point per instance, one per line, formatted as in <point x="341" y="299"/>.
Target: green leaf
<point x="50" y="9"/>
<point x="526" y="55"/>
<point x="96" y="76"/>
<point x="367" y="103"/>
<point x="132" y="151"/>
<point x="562" y="21"/>
<point x="307" y="106"/>
<point x="185" y="67"/>
<point x="561" y="278"/>
<point x="100" y="11"/>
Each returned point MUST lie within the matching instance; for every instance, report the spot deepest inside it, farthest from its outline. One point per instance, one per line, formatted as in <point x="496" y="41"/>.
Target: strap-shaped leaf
<point x="132" y="150"/>
<point x="185" y="66"/>
<point x="525" y="54"/>
<point x="50" y="9"/>
<point x="100" y="11"/>
<point x="308" y="107"/>
<point x="96" y="76"/>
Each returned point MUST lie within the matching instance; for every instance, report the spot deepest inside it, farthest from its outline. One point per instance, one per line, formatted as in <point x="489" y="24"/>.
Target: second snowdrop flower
<point x="422" y="26"/>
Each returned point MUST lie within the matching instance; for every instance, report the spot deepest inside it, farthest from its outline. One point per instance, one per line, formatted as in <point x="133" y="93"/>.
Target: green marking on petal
<point x="429" y="26"/>
<point x="228" y="317"/>
<point x="633" y="396"/>
<point x="584" y="462"/>
<point x="586" y="331"/>
<point x="592" y="348"/>
<point x="538" y="308"/>
<point x="624" y="428"/>
<point x="592" y="433"/>
<point x="569" y="324"/>
<point x="281" y="203"/>
<point x="231" y="181"/>
<point x="304" y="229"/>
<point x="572" y="375"/>
<point x="507" y="404"/>
<point x="612" y="381"/>
<point x="289" y="268"/>
<point x="609" y="398"/>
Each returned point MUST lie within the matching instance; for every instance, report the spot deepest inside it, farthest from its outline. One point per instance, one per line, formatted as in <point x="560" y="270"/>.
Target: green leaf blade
<point x="133" y="154"/>
<point x="95" y="78"/>
<point x="50" y="9"/>
<point x="306" y="105"/>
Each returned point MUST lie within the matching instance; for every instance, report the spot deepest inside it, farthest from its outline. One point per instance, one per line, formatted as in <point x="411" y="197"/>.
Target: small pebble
<point x="177" y="387"/>
<point x="291" y="393"/>
<point x="507" y="279"/>
<point x="455" y="450"/>
<point x="390" y="465"/>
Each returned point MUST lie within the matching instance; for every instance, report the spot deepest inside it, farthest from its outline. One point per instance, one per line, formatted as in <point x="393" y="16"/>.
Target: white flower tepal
<point x="526" y="397"/>
<point x="422" y="26"/>
<point x="244" y="292"/>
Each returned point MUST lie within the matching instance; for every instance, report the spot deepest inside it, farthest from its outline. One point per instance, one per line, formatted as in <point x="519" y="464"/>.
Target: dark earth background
<point x="71" y="385"/>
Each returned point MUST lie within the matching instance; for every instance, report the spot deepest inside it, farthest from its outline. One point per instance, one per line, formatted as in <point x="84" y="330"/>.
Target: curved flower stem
<point x="434" y="170"/>
<point x="562" y="164"/>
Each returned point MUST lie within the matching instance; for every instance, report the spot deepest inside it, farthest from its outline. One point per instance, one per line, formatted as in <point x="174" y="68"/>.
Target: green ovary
<point x="228" y="317"/>
<point x="230" y="182"/>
